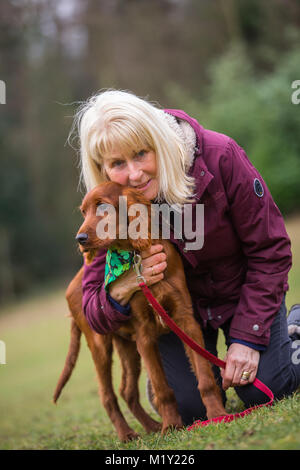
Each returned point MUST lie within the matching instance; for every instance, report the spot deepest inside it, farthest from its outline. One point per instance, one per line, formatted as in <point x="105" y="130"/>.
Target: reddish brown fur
<point x="144" y="326"/>
<point x="101" y="347"/>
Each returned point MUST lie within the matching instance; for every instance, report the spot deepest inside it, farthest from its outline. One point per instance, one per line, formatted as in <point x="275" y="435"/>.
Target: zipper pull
<point x="209" y="313"/>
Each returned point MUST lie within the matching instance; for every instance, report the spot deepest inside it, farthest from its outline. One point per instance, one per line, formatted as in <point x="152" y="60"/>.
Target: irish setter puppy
<point x="101" y="347"/>
<point x="171" y="292"/>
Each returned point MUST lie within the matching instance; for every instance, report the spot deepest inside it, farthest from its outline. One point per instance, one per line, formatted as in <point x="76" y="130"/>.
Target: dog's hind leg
<point x="101" y="349"/>
<point x="131" y="365"/>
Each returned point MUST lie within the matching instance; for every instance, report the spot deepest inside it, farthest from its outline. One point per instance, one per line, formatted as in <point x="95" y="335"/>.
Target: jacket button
<point x="101" y="306"/>
<point x="255" y="327"/>
<point x="185" y="249"/>
<point x="202" y="173"/>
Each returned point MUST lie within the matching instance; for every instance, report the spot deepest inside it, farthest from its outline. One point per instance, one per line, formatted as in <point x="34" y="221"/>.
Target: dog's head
<point x="109" y="224"/>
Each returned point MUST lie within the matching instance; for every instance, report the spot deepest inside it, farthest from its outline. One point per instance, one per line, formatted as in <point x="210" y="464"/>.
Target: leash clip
<point x="137" y="261"/>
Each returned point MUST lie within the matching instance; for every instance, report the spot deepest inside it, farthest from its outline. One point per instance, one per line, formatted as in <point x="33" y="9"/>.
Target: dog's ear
<point x="143" y="219"/>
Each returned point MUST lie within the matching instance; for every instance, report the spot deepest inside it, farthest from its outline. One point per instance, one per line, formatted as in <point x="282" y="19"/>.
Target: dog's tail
<point x="71" y="359"/>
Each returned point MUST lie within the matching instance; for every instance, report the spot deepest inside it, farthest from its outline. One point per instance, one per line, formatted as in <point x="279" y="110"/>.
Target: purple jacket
<point x="242" y="269"/>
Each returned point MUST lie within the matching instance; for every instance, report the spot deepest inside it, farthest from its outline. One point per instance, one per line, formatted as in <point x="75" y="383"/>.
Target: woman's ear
<point x="139" y="219"/>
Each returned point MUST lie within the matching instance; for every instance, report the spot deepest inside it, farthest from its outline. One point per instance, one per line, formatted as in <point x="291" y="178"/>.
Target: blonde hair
<point x="118" y="119"/>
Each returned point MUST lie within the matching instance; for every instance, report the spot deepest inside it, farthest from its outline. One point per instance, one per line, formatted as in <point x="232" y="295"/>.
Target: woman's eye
<point x="141" y="153"/>
<point x="117" y="163"/>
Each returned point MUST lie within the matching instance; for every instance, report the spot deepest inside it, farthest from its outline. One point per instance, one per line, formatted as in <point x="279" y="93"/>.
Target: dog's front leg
<point x="164" y="396"/>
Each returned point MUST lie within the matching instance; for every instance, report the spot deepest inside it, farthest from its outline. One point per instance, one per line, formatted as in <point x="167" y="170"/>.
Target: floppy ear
<point x="137" y="203"/>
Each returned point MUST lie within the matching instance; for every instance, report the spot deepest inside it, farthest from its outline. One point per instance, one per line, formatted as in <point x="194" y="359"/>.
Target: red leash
<point x="207" y="355"/>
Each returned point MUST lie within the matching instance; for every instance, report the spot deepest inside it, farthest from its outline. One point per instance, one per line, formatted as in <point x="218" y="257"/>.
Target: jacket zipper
<point x="209" y="313"/>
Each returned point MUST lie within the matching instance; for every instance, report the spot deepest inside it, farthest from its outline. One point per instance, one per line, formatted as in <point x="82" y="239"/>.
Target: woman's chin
<point x="151" y="191"/>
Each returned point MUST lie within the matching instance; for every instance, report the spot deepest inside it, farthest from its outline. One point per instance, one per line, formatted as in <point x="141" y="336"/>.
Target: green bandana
<point x="117" y="263"/>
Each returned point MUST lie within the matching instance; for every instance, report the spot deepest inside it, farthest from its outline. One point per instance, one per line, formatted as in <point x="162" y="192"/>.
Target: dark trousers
<point x="279" y="368"/>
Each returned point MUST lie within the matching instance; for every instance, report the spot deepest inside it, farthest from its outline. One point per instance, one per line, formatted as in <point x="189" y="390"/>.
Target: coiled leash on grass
<point x="203" y="352"/>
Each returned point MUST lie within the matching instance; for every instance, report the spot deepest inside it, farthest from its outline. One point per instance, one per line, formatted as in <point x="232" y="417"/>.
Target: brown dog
<point x="101" y="347"/>
<point x="144" y="325"/>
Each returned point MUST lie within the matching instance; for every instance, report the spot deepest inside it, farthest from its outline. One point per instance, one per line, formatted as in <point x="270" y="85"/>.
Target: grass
<point x="36" y="334"/>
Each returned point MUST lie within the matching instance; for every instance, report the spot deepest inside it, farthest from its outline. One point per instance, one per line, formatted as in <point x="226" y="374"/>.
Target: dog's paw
<point x="154" y="426"/>
<point x="129" y="436"/>
<point x="176" y="424"/>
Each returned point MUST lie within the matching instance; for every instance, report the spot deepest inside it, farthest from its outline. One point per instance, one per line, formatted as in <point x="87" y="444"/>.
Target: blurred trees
<point x="230" y="63"/>
<point x="256" y="110"/>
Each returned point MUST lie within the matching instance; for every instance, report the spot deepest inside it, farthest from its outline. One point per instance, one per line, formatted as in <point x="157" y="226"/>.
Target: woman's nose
<point x="135" y="173"/>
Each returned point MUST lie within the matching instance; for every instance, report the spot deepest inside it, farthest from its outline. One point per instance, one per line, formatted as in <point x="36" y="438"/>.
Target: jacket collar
<point x="198" y="169"/>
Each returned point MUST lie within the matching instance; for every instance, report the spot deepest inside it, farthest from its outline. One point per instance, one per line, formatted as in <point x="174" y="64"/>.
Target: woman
<point x="237" y="280"/>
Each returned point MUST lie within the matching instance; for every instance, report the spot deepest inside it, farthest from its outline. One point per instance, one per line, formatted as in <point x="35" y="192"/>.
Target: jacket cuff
<point x="124" y="309"/>
<point x="257" y="347"/>
<point x="250" y="329"/>
<point x="101" y="315"/>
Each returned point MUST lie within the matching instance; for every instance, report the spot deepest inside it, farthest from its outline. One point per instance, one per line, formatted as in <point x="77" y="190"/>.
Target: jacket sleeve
<point x="265" y="244"/>
<point x="103" y="315"/>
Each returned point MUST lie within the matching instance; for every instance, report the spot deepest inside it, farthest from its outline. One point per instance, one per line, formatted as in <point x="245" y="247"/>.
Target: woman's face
<point x="137" y="170"/>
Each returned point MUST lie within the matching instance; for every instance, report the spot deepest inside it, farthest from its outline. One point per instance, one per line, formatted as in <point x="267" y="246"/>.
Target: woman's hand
<point x="153" y="265"/>
<point x="239" y="358"/>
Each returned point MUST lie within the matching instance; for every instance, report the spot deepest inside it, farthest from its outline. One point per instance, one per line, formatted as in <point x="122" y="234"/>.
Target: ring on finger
<point x="152" y="272"/>
<point x="246" y="375"/>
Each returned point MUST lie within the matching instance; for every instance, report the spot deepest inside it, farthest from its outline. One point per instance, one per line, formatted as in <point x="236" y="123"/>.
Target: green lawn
<point x="36" y="334"/>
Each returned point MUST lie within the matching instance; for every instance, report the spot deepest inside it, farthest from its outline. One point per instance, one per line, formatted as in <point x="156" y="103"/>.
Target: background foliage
<point x="229" y="63"/>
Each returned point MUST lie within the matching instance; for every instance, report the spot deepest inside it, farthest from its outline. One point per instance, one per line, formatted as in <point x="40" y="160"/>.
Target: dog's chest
<point x="144" y="313"/>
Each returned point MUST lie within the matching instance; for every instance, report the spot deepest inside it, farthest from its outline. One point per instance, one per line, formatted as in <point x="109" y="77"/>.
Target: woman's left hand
<point x="239" y="359"/>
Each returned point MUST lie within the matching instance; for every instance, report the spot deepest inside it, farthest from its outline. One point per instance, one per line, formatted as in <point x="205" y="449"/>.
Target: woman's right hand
<point x="153" y="265"/>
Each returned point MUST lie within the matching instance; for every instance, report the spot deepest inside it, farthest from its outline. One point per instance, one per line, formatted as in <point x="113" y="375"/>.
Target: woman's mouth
<point x="142" y="187"/>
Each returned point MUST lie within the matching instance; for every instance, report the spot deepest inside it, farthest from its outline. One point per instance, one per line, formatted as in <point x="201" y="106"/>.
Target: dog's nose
<point x="82" y="238"/>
